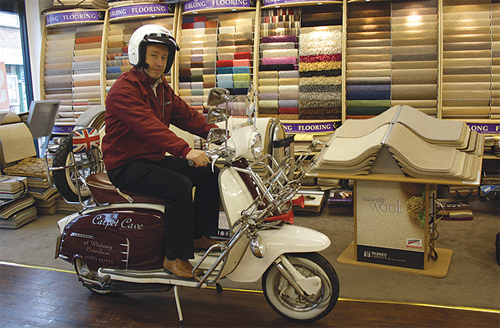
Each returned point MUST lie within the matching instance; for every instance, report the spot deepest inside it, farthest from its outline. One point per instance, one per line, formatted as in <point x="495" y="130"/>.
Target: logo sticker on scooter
<point x="107" y="221"/>
<point x="81" y="235"/>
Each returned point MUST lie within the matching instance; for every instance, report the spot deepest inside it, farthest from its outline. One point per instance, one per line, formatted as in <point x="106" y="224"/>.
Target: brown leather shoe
<point x="181" y="268"/>
<point x="204" y="242"/>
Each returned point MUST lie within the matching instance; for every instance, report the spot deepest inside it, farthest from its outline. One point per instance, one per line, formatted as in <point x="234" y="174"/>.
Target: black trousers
<point x="173" y="179"/>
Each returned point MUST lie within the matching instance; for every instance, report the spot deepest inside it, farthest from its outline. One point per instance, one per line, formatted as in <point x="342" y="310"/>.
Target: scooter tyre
<point x="285" y="301"/>
<point x="64" y="179"/>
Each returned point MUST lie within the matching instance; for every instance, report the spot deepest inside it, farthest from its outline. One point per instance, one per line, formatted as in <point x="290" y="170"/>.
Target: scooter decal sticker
<point x="85" y="140"/>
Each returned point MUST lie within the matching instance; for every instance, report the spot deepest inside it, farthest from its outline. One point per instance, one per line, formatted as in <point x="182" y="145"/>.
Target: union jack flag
<point x="85" y="140"/>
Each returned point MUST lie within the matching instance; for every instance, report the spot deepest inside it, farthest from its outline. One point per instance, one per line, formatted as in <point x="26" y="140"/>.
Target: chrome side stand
<point x="178" y="305"/>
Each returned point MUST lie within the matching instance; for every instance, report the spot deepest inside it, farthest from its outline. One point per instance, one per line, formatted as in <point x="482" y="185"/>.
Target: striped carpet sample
<point x="320" y="63"/>
<point x="72" y="69"/>
<point x="234" y="56"/>
<point x="495" y="61"/>
<point x="117" y="50"/>
<point x="368" y="59"/>
<point x="278" y="77"/>
<point x="467" y="57"/>
<point x="414" y="55"/>
<point x="58" y="69"/>
<point x="86" y="67"/>
<point x="197" y="59"/>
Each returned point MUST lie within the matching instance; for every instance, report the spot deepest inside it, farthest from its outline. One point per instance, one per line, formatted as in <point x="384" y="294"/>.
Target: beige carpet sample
<point x="423" y="147"/>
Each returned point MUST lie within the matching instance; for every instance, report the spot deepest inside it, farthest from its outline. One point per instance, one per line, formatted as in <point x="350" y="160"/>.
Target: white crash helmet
<point x="148" y="34"/>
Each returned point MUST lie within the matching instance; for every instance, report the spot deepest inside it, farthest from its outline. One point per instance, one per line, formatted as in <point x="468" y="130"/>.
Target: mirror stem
<point x="227" y="123"/>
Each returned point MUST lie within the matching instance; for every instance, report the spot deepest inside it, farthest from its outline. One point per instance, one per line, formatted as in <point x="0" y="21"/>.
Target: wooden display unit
<point x="386" y="236"/>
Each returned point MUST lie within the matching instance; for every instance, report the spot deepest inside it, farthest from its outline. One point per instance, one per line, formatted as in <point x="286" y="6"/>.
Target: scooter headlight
<point x="257" y="247"/>
<point x="256" y="145"/>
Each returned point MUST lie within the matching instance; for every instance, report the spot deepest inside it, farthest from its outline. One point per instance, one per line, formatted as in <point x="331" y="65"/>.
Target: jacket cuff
<point x="185" y="151"/>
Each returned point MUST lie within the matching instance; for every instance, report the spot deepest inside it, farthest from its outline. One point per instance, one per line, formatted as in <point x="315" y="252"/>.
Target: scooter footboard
<point x="288" y="239"/>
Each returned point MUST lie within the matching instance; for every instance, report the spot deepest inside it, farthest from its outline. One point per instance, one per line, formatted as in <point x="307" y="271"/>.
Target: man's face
<point x="156" y="58"/>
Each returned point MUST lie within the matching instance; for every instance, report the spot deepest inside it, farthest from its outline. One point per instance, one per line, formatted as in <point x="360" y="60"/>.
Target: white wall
<point x="35" y="28"/>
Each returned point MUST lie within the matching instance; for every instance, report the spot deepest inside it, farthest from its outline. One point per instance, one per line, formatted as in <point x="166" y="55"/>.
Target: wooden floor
<point x="34" y="297"/>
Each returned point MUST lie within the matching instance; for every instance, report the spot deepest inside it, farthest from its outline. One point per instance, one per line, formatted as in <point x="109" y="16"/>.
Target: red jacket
<point x="137" y="127"/>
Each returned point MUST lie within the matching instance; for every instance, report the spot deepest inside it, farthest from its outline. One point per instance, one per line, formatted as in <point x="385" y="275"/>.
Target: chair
<point x="16" y="142"/>
<point x="41" y="118"/>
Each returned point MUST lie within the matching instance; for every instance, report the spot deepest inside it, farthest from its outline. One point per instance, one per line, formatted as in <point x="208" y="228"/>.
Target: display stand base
<point x="438" y="269"/>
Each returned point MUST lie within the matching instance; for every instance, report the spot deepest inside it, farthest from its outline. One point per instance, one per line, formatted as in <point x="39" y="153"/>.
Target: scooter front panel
<point x="118" y="239"/>
<point x="288" y="239"/>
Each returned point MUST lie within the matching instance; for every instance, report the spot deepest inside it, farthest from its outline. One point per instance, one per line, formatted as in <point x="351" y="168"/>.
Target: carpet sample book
<point x="423" y="147"/>
<point x="278" y="54"/>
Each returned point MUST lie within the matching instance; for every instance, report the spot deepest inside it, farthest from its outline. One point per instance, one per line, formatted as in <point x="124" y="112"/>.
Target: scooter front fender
<point x="288" y="239"/>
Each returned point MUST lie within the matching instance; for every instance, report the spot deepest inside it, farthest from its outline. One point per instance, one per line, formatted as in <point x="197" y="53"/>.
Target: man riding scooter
<point x="140" y="107"/>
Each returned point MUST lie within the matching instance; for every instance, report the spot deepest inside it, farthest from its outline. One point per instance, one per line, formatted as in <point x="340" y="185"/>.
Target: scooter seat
<point x="104" y="192"/>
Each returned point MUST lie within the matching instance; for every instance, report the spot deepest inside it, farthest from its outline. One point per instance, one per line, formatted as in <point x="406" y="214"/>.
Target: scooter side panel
<point x="118" y="239"/>
<point x="288" y="239"/>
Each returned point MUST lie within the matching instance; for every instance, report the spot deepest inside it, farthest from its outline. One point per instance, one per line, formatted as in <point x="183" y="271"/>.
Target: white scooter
<point x="116" y="243"/>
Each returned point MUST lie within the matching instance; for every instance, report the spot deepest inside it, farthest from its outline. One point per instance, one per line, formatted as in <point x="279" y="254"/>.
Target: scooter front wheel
<point x="287" y="302"/>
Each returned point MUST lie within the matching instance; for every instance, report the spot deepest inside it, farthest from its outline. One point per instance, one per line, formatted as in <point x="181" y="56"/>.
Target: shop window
<point x="15" y="79"/>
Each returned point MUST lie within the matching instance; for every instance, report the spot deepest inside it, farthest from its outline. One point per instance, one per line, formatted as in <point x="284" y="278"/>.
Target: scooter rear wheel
<point x="284" y="299"/>
<point x="86" y="164"/>
<point x="65" y="179"/>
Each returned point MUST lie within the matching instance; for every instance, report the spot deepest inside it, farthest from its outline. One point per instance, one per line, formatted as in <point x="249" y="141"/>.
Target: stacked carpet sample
<point x="234" y="56"/>
<point x="57" y="70"/>
<point x="86" y="67"/>
<point x="216" y="50"/>
<point x="467" y="58"/>
<point x="414" y="61"/>
<point x="320" y="64"/>
<point x="422" y="146"/>
<point x="234" y="51"/>
<point x="278" y="75"/>
<point x="368" y="68"/>
<point x="495" y="61"/>
<point x="197" y="59"/>
<point x="72" y="69"/>
<point x="392" y="57"/>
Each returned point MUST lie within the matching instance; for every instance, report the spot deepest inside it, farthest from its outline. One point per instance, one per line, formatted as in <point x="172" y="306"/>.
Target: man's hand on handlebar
<point x="197" y="158"/>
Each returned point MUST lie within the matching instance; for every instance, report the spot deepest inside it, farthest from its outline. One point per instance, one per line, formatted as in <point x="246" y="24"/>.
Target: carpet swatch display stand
<point x="395" y="223"/>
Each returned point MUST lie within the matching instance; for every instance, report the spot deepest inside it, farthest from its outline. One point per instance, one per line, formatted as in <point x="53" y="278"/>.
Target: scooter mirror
<point x="217" y="96"/>
<point x="217" y="136"/>
<point x="218" y="114"/>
